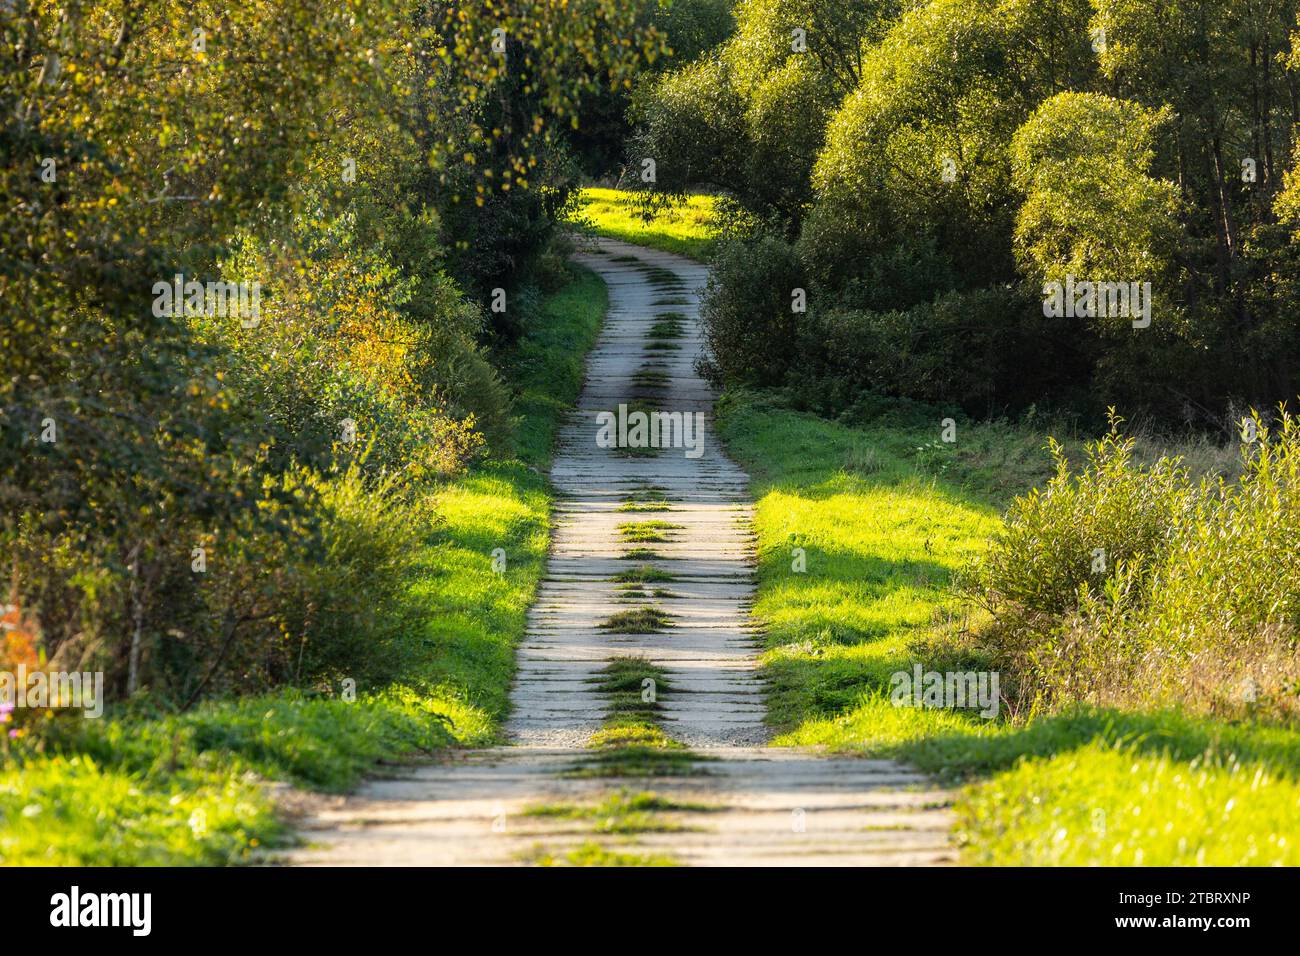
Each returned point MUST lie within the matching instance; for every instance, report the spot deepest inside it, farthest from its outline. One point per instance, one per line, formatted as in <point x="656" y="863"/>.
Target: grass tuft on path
<point x="621" y="811"/>
<point x="647" y="532"/>
<point x="641" y="620"/>
<point x="633" y="743"/>
<point x="593" y="854"/>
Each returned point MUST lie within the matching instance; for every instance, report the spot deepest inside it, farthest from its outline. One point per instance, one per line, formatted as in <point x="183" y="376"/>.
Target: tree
<point x="1091" y="208"/>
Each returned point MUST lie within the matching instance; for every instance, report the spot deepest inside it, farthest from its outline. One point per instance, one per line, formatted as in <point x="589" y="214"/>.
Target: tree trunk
<point x="137" y="621"/>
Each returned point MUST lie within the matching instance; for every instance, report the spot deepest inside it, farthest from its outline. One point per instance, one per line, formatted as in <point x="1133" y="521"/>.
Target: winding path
<point x="741" y="803"/>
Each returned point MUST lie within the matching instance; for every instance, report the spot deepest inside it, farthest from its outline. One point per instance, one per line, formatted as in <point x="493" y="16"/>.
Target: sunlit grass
<point x="687" y="229"/>
<point x="645" y="506"/>
<point x="1109" y="806"/>
<point x="593" y="854"/>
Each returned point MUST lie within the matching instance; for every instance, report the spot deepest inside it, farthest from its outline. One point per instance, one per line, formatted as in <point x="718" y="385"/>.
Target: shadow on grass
<point x="956" y="755"/>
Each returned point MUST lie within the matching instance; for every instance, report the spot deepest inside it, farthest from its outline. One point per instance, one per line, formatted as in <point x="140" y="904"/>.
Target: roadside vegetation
<point x="296" y="526"/>
<point x="1172" y="754"/>
<point x="145" y="786"/>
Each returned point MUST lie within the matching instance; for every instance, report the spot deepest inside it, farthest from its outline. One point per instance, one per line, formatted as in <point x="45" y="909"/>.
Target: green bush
<point x="1235" y="574"/>
<point x="749" y="322"/>
<point x="859" y="272"/>
<point x="346" y="599"/>
<point x="750" y="116"/>
<point x="966" y="349"/>
<point x="1062" y="544"/>
<point x="1125" y="583"/>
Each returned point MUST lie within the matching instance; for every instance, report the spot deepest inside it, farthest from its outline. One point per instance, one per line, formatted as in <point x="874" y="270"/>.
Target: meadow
<point x="687" y="228"/>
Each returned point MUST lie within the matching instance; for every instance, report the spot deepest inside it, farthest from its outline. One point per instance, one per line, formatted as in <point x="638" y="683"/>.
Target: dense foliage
<point x="1124" y="584"/>
<point x="930" y="166"/>
<point x="197" y="498"/>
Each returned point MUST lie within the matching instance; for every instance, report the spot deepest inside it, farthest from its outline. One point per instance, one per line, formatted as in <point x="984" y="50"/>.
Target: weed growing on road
<point x="642" y="620"/>
<point x="647" y="532"/>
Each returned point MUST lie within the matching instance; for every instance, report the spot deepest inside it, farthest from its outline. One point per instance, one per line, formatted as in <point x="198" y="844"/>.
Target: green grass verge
<point x="156" y="789"/>
<point x="686" y="229"/>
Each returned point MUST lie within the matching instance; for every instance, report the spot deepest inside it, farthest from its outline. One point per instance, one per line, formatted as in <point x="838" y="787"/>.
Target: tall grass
<point x="1129" y="584"/>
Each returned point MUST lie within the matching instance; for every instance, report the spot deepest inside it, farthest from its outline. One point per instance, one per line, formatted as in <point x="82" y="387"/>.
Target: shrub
<point x="1235" y="574"/>
<point x="134" y="445"/>
<point x="1126" y="584"/>
<point x="1063" y="543"/>
<point x="344" y="602"/>
<point x="980" y="350"/>
<point x="749" y="325"/>
<point x="863" y="273"/>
